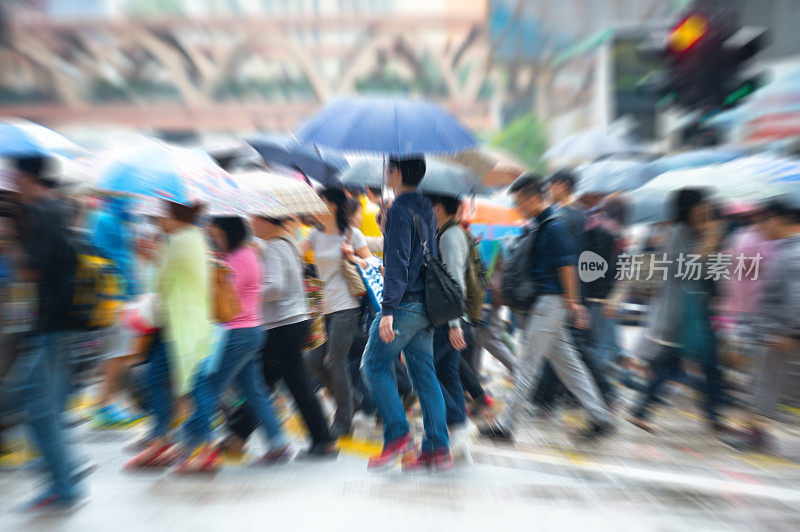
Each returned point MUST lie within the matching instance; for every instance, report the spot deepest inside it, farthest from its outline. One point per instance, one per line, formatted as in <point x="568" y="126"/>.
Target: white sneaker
<point x="460" y="437"/>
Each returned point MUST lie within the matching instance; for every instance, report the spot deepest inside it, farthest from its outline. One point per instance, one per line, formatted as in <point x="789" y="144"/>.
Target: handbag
<point x="226" y="301"/>
<point x="355" y="284"/>
<point x="444" y="299"/>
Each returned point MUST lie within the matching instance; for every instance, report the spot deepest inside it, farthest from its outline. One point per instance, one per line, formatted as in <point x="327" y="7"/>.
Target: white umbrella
<point x="271" y="195"/>
<point x="587" y="146"/>
<point x="753" y="178"/>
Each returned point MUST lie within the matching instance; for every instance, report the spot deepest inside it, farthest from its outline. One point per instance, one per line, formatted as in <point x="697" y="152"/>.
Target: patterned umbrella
<point x="180" y="175"/>
<point x="274" y="196"/>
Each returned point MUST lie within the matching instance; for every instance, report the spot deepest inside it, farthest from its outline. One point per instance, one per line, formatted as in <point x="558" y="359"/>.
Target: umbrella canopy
<point x="20" y="137"/>
<point x="687" y="159"/>
<point x="441" y="178"/>
<point x="493" y="167"/>
<point x="232" y="154"/>
<point x="607" y="176"/>
<point x="181" y="175"/>
<point x="386" y="126"/>
<point x="286" y="151"/>
<point x="275" y="196"/>
<point x="587" y="146"/>
<point x="753" y="179"/>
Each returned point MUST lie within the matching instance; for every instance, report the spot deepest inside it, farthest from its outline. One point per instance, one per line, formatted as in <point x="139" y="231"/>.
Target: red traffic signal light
<point x="688" y="32"/>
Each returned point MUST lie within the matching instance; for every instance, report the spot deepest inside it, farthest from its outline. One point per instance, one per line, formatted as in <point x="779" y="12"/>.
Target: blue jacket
<point x="403" y="256"/>
<point x="113" y="238"/>
<point x="554" y="248"/>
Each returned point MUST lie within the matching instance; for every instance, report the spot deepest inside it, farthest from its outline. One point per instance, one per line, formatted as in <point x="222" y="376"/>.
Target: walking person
<point x="237" y="361"/>
<point x="448" y="338"/>
<point x="679" y="325"/>
<point x="287" y="322"/>
<point x="112" y="235"/>
<point x="545" y="334"/>
<point x="39" y="375"/>
<point x="403" y="325"/>
<point x="184" y="290"/>
<point x="560" y="189"/>
<point x="777" y="324"/>
<point x="336" y="241"/>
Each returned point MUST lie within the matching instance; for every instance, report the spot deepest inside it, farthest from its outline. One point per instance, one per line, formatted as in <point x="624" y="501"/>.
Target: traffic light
<point x="688" y="32"/>
<point x="704" y="57"/>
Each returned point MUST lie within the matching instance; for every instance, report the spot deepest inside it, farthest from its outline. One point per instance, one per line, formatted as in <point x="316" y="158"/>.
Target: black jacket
<point x="50" y="255"/>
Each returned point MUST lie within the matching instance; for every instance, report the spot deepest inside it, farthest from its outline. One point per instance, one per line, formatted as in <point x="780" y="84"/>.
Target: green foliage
<point x="525" y="138"/>
<point x="154" y="8"/>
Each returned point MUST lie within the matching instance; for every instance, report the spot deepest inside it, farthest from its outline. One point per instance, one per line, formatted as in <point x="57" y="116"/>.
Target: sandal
<point x="276" y="456"/>
<point x="206" y="461"/>
<point x="154" y="456"/>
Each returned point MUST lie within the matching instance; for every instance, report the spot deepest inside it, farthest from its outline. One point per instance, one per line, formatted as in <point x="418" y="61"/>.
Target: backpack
<point x="476" y="280"/>
<point x="98" y="289"/>
<point x="518" y="287"/>
<point x="444" y="300"/>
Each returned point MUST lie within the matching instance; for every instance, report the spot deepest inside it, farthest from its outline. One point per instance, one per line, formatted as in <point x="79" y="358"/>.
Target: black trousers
<point x="282" y="360"/>
<point x="469" y="378"/>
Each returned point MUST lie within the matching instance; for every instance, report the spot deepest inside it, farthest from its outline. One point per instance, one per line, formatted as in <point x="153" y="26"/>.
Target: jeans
<point x="39" y="379"/>
<point x="158" y="389"/>
<point x="414" y="338"/>
<point x="237" y="365"/>
<point x="446" y="360"/>
<point x="606" y="342"/>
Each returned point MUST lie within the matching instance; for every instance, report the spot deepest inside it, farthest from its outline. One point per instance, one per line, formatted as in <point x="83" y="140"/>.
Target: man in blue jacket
<point x="403" y="325"/>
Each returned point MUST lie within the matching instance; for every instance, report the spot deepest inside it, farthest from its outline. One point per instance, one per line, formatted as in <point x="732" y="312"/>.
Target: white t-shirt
<point x="328" y="258"/>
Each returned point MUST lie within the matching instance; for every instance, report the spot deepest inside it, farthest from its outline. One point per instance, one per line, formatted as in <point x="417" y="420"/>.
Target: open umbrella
<point x="275" y="196"/>
<point x="285" y="150"/>
<point x="753" y="178"/>
<point x="21" y="137"/>
<point x="181" y="175"/>
<point x="607" y="176"/>
<point x="493" y="167"/>
<point x="386" y="126"/>
<point x="441" y="178"/>
<point x="587" y="146"/>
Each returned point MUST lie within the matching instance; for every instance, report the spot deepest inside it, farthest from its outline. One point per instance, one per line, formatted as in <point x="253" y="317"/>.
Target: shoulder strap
<point x="418" y="228"/>
<point x="450" y="223"/>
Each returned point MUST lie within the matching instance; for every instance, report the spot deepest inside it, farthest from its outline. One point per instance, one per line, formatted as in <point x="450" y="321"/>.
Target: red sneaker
<point x="438" y="461"/>
<point x="392" y="451"/>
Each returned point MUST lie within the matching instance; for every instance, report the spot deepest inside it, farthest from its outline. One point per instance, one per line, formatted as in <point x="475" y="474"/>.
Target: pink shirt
<point x="247" y="277"/>
<point x="743" y="296"/>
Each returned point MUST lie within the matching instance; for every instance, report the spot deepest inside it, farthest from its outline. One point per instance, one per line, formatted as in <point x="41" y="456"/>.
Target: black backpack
<point x="518" y="287"/>
<point x="444" y="300"/>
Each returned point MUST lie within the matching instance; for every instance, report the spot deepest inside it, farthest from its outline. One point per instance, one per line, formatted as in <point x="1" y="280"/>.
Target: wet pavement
<point x="681" y="479"/>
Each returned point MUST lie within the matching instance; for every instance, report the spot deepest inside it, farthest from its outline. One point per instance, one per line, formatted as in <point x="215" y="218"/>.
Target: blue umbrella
<point x="21" y="137"/>
<point x="179" y="175"/>
<point x="386" y="126"/>
<point x="441" y="178"/>
<point x="287" y="151"/>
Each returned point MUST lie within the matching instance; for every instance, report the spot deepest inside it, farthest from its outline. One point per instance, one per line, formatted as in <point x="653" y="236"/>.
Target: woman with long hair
<point x="679" y="325"/>
<point x="335" y="241"/>
<point x="237" y="361"/>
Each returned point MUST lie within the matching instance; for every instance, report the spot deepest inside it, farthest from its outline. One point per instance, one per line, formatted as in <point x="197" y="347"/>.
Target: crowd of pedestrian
<point x="211" y="318"/>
